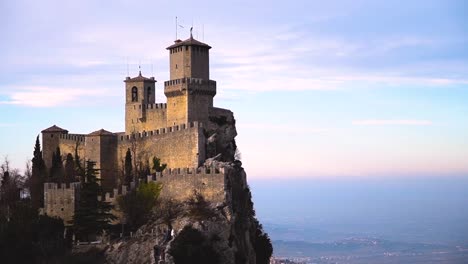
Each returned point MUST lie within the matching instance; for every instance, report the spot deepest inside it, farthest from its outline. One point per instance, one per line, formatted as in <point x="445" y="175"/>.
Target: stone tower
<point x="189" y="91"/>
<point x="139" y="93"/>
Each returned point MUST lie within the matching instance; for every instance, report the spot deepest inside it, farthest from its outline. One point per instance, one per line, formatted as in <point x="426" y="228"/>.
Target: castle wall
<point x="200" y="66"/>
<point x="68" y="143"/>
<point x="145" y="117"/>
<point x="177" y="146"/>
<point x="177" y="108"/>
<point x="60" y="200"/>
<point x="180" y="184"/>
<point x="103" y="150"/>
<point x="199" y="105"/>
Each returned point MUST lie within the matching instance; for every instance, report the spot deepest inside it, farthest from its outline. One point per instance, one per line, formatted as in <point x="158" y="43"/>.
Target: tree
<point x="91" y="216"/>
<point x="190" y="246"/>
<point x="38" y="176"/>
<point x="198" y="208"/>
<point x="56" y="170"/>
<point x="78" y="165"/>
<point x="157" y="166"/>
<point x="137" y="204"/>
<point x="9" y="190"/>
<point x="262" y="245"/>
<point x="128" y="168"/>
<point x="70" y="171"/>
<point x="29" y="237"/>
<point x="167" y="210"/>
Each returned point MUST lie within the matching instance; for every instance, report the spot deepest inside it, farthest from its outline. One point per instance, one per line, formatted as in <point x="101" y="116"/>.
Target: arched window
<point x="134" y="94"/>
<point x="148" y="94"/>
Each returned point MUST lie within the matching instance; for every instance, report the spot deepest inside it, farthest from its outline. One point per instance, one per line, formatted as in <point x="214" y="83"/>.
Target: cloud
<point x="49" y="97"/>
<point x="392" y="122"/>
<point x="284" y="128"/>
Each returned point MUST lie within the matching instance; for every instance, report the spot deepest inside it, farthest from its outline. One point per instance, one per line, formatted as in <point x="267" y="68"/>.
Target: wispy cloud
<point x="392" y="122"/>
<point x="284" y="128"/>
<point x="48" y="97"/>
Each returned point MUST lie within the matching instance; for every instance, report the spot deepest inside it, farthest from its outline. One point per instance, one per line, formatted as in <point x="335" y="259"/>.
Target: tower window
<point x="148" y="95"/>
<point x="176" y="66"/>
<point x="134" y="94"/>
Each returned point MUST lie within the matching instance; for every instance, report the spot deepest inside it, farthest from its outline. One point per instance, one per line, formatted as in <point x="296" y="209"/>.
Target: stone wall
<point x="61" y="200"/>
<point x="180" y="184"/>
<point x="144" y="117"/>
<point x="177" y="146"/>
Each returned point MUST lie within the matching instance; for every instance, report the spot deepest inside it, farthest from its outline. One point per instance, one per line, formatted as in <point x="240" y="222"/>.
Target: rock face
<point x="229" y="228"/>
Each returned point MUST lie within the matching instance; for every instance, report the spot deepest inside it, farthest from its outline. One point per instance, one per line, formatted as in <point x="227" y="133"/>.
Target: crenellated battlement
<point x="189" y="80"/>
<point x="180" y="183"/>
<point x="72" y="137"/>
<point x="154" y="106"/>
<point x="196" y="85"/>
<point x="161" y="131"/>
<point x="61" y="186"/>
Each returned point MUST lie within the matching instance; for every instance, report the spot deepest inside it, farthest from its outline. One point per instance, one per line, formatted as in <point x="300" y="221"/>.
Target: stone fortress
<point x="183" y="133"/>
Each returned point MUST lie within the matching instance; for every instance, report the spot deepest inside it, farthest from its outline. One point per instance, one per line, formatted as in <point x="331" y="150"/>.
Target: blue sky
<point x="335" y="89"/>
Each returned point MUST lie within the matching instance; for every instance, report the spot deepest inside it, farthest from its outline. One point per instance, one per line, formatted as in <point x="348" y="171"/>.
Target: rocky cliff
<point x="197" y="230"/>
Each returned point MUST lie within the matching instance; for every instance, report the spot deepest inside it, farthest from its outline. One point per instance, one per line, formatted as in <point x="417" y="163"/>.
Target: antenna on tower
<point x="176" y="27"/>
<point x="128" y="70"/>
<point x="152" y="73"/>
<point x="139" y="67"/>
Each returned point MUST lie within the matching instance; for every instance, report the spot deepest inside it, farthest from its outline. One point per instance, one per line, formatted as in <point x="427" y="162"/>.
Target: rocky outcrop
<point x="231" y="229"/>
<point x="227" y="230"/>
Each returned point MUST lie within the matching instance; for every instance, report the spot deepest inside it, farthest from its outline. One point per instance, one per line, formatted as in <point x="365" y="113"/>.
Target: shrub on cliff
<point x="262" y="245"/>
<point x="138" y="204"/>
<point x="198" y="208"/>
<point x="190" y="246"/>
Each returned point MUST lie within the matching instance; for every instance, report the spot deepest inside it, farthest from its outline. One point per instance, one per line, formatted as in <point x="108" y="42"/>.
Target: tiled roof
<point x="53" y="129"/>
<point x="188" y="42"/>
<point x="101" y="132"/>
<point x="140" y="78"/>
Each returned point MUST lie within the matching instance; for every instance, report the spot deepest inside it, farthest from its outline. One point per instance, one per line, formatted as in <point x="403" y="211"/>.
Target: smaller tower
<point x="139" y="93"/>
<point x="50" y="142"/>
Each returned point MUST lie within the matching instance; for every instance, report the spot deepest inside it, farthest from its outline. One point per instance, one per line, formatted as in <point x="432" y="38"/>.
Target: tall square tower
<point x="189" y="91"/>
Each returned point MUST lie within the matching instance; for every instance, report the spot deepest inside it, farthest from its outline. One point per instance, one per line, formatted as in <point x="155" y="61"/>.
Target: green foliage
<point x="166" y="211"/>
<point x="198" y="208"/>
<point x="92" y="216"/>
<point x="56" y="170"/>
<point x="190" y="246"/>
<point x="78" y="167"/>
<point x="137" y="204"/>
<point x="128" y="168"/>
<point x="38" y="176"/>
<point x="262" y="245"/>
<point x="29" y="237"/>
<point x="69" y="169"/>
<point x="157" y="166"/>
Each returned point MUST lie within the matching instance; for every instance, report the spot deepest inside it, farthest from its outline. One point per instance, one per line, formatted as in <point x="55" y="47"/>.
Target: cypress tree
<point x="78" y="167"/>
<point x="91" y="216"/>
<point x="128" y="168"/>
<point x="69" y="169"/>
<point x="38" y="177"/>
<point x="56" y="171"/>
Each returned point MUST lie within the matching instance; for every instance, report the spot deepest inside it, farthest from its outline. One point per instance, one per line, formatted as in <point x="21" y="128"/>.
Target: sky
<point x="318" y="88"/>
